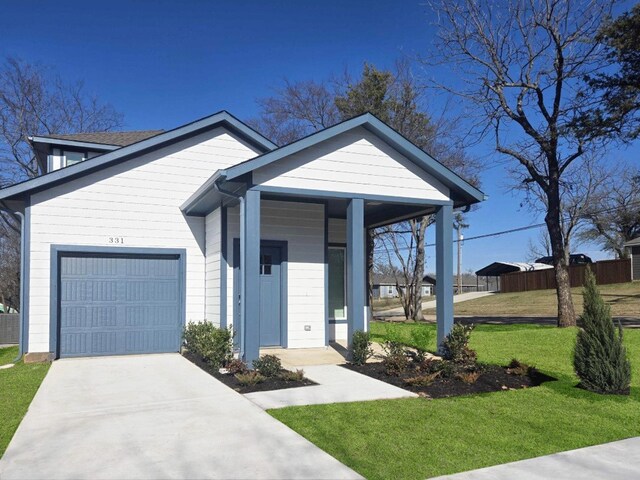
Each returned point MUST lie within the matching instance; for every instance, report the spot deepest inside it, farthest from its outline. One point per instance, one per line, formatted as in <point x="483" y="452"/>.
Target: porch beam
<point x="356" y="267"/>
<point x="444" y="272"/>
<point x="250" y="251"/>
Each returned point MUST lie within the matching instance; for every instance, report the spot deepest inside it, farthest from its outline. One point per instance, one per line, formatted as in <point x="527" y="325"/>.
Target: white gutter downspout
<point x="240" y="198"/>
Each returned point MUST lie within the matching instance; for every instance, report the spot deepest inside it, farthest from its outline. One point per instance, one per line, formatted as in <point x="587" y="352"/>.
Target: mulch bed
<point x="494" y="378"/>
<point x="272" y="383"/>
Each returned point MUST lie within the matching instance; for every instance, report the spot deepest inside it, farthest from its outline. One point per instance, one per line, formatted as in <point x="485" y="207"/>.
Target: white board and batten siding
<point x="133" y="204"/>
<point x="355" y="162"/>
<point x="301" y="225"/>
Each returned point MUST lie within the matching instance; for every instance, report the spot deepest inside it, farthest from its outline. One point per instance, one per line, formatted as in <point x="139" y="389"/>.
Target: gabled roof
<point x="633" y="243"/>
<point x="368" y="121"/>
<point x="220" y="119"/>
<point x="461" y="191"/>
<point x="119" y="139"/>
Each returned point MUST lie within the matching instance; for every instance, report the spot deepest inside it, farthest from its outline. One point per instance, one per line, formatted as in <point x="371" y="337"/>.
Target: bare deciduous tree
<point x="521" y="63"/>
<point x="34" y="101"/>
<point x="615" y="218"/>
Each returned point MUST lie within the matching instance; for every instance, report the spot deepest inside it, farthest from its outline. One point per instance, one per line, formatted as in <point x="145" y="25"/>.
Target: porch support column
<point x="444" y="271"/>
<point x="356" y="267"/>
<point x="250" y="262"/>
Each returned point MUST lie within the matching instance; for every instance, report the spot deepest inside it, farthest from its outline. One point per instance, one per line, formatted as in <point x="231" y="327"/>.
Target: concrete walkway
<point x="153" y="417"/>
<point x="610" y="461"/>
<point x="336" y="384"/>
<point x="463" y="297"/>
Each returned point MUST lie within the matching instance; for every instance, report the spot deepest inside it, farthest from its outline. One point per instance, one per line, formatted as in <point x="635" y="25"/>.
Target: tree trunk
<point x="370" y="248"/>
<point x="566" y="311"/>
<point x="421" y="229"/>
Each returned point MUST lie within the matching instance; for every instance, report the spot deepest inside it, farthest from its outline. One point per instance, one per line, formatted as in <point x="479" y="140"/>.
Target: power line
<point x="519" y="229"/>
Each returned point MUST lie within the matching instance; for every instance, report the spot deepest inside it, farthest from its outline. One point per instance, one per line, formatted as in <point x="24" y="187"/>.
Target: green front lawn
<point x="623" y="298"/>
<point x="418" y="438"/>
<point x="18" y="385"/>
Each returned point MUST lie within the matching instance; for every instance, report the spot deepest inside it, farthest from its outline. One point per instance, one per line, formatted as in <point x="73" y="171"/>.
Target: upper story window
<point x="71" y="158"/>
<point x="65" y="158"/>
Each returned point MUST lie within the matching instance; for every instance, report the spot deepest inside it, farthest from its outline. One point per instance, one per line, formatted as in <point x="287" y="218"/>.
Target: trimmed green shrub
<point x="456" y="345"/>
<point x="214" y="345"/>
<point x="249" y="378"/>
<point x="360" y="347"/>
<point x="268" y="365"/>
<point x="600" y="358"/>
<point x="395" y="360"/>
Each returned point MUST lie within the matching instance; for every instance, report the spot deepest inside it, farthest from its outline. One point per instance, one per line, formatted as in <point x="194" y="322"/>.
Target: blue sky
<point x="166" y="63"/>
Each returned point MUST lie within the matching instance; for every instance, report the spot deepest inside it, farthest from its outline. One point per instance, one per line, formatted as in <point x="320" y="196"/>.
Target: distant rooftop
<point x="120" y="139"/>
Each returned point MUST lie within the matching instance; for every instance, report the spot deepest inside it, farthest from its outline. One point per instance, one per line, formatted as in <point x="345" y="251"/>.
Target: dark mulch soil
<point x="493" y="378"/>
<point x="273" y="383"/>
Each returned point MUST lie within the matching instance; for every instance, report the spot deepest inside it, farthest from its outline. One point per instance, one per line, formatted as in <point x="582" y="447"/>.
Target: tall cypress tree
<point x="600" y="358"/>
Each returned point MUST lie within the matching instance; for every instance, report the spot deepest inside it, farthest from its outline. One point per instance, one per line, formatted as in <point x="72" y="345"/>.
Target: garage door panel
<point x="119" y="304"/>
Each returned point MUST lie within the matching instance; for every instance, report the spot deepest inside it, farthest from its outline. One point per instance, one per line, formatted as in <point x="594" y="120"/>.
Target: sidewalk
<point x="609" y="461"/>
<point x="463" y="297"/>
<point x="336" y="384"/>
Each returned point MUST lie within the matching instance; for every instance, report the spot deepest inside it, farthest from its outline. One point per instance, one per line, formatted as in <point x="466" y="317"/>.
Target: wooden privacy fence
<point x="606" y="271"/>
<point x="9" y="328"/>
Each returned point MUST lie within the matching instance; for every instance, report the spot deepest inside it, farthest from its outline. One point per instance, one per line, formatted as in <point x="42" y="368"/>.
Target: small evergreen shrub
<point x="443" y="368"/>
<point x="600" y="358"/>
<point x="289" y="376"/>
<point x="268" y="365"/>
<point x="237" y="366"/>
<point x="249" y="378"/>
<point x="214" y="345"/>
<point x="456" y="345"/>
<point x="395" y="360"/>
<point x="360" y="347"/>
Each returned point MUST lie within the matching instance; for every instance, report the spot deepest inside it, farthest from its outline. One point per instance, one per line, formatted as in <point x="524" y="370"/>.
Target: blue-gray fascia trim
<point x="327" y="194"/>
<point x="220" y="119"/>
<point x="190" y="204"/>
<point x="223" y="267"/>
<point x="74" y="143"/>
<point x="385" y="133"/>
<point x="57" y="251"/>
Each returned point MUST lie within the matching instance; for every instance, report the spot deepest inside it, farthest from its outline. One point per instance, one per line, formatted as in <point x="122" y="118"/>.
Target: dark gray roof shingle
<point x="120" y="139"/>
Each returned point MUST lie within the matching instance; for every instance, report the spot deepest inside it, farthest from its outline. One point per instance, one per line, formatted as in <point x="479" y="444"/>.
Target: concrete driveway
<point x="153" y="417"/>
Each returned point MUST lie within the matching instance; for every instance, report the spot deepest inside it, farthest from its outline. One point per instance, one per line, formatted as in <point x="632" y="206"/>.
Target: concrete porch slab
<point x="334" y="354"/>
<point x="336" y="384"/>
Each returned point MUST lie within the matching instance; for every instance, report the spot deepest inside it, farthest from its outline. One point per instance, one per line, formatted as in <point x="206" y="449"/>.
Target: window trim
<point x="344" y="283"/>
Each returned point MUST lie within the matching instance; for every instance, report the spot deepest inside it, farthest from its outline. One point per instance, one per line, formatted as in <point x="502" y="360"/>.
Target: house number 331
<point x="116" y="240"/>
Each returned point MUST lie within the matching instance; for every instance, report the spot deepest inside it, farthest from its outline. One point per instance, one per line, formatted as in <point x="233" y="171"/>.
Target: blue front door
<point x="270" y="296"/>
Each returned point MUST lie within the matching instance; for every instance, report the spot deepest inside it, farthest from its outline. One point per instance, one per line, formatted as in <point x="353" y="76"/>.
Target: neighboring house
<point x="125" y="242"/>
<point x="386" y="287"/>
<point x="633" y="246"/>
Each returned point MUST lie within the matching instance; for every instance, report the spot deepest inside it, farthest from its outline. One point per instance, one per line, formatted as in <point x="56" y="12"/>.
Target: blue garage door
<point x="119" y="304"/>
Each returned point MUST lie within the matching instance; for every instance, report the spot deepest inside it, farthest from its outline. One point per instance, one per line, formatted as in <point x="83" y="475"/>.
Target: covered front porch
<point x="297" y="261"/>
<point x="286" y="233"/>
